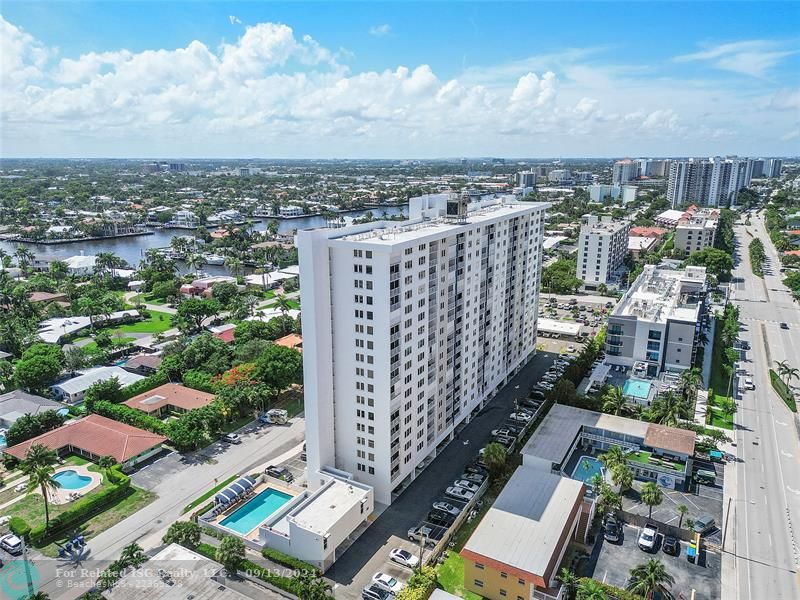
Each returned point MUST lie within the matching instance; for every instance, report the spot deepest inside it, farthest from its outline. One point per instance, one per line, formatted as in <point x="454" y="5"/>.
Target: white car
<point x="473" y="477"/>
<point x="448" y="508"/>
<point x="570" y="348"/>
<point x="467" y="485"/>
<point x="11" y="544"/>
<point x="519" y="416"/>
<point x="4" y="520"/>
<point x="648" y="537"/>
<point x="458" y="493"/>
<point x="748" y="383"/>
<point x="404" y="557"/>
<point x="387" y="582"/>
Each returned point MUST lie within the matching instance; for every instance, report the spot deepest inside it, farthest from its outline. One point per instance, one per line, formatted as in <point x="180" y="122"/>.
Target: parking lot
<point x="612" y="562"/>
<point x="370" y="552"/>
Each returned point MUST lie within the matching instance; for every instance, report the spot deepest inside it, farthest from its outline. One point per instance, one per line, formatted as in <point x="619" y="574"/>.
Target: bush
<point x="199" y="380"/>
<point x="279" y="581"/>
<point x="782" y="390"/>
<point x="84" y="508"/>
<point x="20" y="527"/>
<point x="144" y="385"/>
<point x="129" y="416"/>
<point x="615" y="592"/>
<point x="280" y="558"/>
<point x="420" y="586"/>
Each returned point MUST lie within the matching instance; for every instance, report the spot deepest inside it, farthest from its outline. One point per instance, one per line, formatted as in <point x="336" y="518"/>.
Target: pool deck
<point x="260" y="487"/>
<point x="64" y="496"/>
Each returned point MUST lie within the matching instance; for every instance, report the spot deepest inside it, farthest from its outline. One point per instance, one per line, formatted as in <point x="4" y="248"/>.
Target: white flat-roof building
<point x="313" y="525"/>
<point x="602" y="245"/>
<point x="426" y="318"/>
<point x="558" y="327"/>
<point x="600" y="192"/>
<point x="52" y="330"/>
<point x="657" y="320"/>
<point x="73" y="390"/>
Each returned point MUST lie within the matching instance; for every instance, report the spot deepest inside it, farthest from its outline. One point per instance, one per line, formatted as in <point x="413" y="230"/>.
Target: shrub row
<point x="279" y="581"/>
<point x="613" y="592"/>
<point x="144" y="385"/>
<point x="281" y="558"/>
<point x="129" y="416"/>
<point x="783" y="390"/>
<point x="420" y="586"/>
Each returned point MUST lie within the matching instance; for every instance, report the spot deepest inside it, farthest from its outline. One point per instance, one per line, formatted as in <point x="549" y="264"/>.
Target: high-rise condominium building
<point x="526" y="179"/>
<point x="601" y="249"/>
<point x="711" y="182"/>
<point x="772" y="167"/>
<point x="624" y="171"/>
<point x="409" y="327"/>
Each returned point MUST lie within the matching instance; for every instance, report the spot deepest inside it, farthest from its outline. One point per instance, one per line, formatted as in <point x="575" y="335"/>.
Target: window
<point x="503" y="593"/>
<point x="478" y="583"/>
<point x="503" y="575"/>
<point x="479" y="566"/>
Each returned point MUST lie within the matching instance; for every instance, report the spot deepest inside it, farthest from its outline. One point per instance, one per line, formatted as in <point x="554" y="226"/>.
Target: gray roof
<point x="86" y="380"/>
<point x="17" y="403"/>
<point x="553" y="438"/>
<point x="525" y="524"/>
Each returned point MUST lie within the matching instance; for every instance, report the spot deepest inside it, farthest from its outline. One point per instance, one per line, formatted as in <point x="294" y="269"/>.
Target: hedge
<point x="279" y="581"/>
<point x="199" y="380"/>
<point x="420" y="586"/>
<point x="129" y="416"/>
<point x="19" y="527"/>
<point x="144" y="385"/>
<point x="614" y="593"/>
<point x="782" y="390"/>
<point x="281" y="558"/>
<point x="84" y="508"/>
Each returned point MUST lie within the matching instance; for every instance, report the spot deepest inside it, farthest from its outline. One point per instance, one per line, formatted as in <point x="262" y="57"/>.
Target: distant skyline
<point x="398" y="80"/>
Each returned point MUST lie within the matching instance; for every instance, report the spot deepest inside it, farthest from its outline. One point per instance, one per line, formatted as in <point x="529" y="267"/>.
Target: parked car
<point x="570" y="348"/>
<point x="387" y="582"/>
<point x="11" y="544"/>
<point x="784" y="325"/>
<point x="376" y="592"/>
<point x="612" y="532"/>
<point x="404" y="557"/>
<point x="478" y="478"/>
<point x="415" y="534"/>
<point x="748" y="383"/>
<point x="231" y="438"/>
<point x="447" y="507"/>
<point x="440" y="518"/>
<point x="503" y="432"/>
<point x="474" y="467"/>
<point x="467" y="485"/>
<point x="536" y="394"/>
<point x="704" y="524"/>
<point x="5" y="520"/>
<point x="671" y="545"/>
<point x="279" y="473"/>
<point x="648" y="537"/>
<point x="520" y="416"/>
<point x="458" y="493"/>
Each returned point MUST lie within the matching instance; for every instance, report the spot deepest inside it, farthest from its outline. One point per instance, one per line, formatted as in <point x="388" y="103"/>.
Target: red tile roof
<point x="95" y="434"/>
<point x="292" y="340"/>
<point x="226" y="336"/>
<point x="791" y="253"/>
<point x="170" y="394"/>
<point x="647" y="231"/>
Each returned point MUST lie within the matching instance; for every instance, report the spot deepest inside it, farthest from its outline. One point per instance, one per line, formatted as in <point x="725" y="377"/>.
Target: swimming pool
<point x="70" y="480"/>
<point x="246" y="518"/>
<point x="2" y="440"/>
<point x="587" y="468"/>
<point x="637" y="389"/>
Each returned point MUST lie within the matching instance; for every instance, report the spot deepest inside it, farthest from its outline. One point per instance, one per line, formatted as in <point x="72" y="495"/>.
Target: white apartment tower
<point x="713" y="182"/>
<point x="602" y="246"/>
<point x="624" y="171"/>
<point x="409" y="327"/>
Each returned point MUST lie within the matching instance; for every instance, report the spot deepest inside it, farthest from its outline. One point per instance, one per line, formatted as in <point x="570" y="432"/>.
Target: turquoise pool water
<point x="246" y="518"/>
<point x="70" y="480"/>
<point x="587" y="467"/>
<point x="637" y="389"/>
<point x="2" y="440"/>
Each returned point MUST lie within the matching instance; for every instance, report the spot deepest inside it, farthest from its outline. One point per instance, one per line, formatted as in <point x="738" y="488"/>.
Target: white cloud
<point x="234" y="20"/>
<point x="748" y="57"/>
<point x="380" y="30"/>
<point x="274" y="92"/>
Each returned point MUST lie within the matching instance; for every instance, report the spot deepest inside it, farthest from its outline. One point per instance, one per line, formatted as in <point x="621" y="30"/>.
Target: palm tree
<point x="622" y="476"/>
<point x="589" y="589"/>
<point x="614" y="400"/>
<point x="668" y="409"/>
<point x="24" y="257"/>
<point x="727" y="406"/>
<point x="133" y="555"/>
<point x="38" y="466"/>
<point x="651" y="496"/>
<point x="495" y="458"/>
<point x="106" y="462"/>
<point x="792" y="373"/>
<point x="613" y="456"/>
<point x="683" y="510"/>
<point x="230" y="554"/>
<point x="105" y="262"/>
<point x="569" y="581"/>
<point x="691" y="379"/>
<point x="781" y="366"/>
<point x="234" y="263"/>
<point x="59" y="269"/>
<point x="194" y="262"/>
<point x="312" y="586"/>
<point x="38" y="596"/>
<point x="650" y="577"/>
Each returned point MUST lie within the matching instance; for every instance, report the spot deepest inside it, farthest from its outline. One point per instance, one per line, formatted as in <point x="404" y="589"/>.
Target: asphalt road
<point x="353" y="570"/>
<point x="766" y="487"/>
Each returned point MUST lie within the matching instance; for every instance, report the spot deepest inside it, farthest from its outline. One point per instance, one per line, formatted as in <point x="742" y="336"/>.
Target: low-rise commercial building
<point x="655" y="325"/>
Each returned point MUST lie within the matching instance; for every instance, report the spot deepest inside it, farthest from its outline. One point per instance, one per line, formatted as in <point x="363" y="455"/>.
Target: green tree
<point x="230" y="554"/>
<point x="622" y="476"/>
<point x="279" y="367"/>
<point x="29" y="426"/>
<point x="36" y="373"/>
<point x="311" y="586"/>
<point x="727" y="405"/>
<point x="106" y="462"/>
<point x="185" y="533"/>
<point x="651" y="496"/>
<point x="224" y="292"/>
<point x="495" y="456"/>
<point x="683" y="510"/>
<point x="589" y="589"/>
<point x="193" y="311"/>
<point x="38" y="465"/>
<point x="651" y="577"/>
<point x="717" y="262"/>
<point x="132" y="555"/>
<point x="614" y="400"/>
<point x="564" y="392"/>
<point x="613" y="457"/>
<point x="691" y="379"/>
<point x="569" y="581"/>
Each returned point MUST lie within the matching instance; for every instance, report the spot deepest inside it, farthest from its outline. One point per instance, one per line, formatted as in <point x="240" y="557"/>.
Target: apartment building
<point x="772" y="167"/>
<point x="526" y="179"/>
<point x="711" y="182"/>
<point x="624" y="171"/>
<point x="408" y="327"/>
<point x="602" y="245"/>
<point x="696" y="230"/>
<point x="603" y="192"/>
<point x="655" y="325"/>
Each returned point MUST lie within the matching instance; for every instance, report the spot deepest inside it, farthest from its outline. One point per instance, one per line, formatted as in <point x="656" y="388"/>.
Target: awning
<point x="234" y="490"/>
<point x="225" y="496"/>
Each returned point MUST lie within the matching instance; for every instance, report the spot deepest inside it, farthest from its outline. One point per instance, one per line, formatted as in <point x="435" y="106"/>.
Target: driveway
<point x="368" y="554"/>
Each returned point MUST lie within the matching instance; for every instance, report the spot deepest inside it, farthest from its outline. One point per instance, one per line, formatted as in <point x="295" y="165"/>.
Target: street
<point x="765" y="487"/>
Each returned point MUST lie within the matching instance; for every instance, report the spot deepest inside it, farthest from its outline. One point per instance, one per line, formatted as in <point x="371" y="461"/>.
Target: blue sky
<point x="399" y="79"/>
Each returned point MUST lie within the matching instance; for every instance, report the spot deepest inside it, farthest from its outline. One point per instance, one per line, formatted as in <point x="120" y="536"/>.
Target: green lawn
<point x="116" y="342"/>
<point x="158" y="322"/>
<point x="450" y="575"/>
<point x="136" y="500"/>
<point x="718" y="418"/>
<point x="208" y="494"/>
<point x="643" y="457"/>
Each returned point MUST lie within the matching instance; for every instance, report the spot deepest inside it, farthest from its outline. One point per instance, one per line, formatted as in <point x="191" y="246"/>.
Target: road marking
<point x="783" y="453"/>
<point x="781" y="423"/>
<point x="770" y="539"/>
